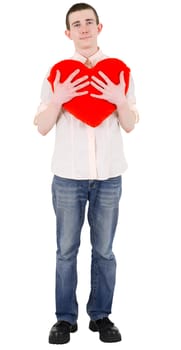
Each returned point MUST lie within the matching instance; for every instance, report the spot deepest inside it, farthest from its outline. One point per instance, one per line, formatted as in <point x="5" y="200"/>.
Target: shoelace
<point x="104" y="323"/>
<point x="63" y="324"/>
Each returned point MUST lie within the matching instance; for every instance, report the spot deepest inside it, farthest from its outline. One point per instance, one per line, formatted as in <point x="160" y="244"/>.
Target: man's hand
<point x="114" y="93"/>
<point x="64" y="92"/>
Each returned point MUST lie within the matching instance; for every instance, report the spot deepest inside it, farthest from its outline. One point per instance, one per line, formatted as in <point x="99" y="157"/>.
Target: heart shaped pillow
<point x="88" y="109"/>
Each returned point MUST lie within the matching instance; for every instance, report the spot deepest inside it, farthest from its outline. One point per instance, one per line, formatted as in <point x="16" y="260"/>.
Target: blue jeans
<point x="69" y="201"/>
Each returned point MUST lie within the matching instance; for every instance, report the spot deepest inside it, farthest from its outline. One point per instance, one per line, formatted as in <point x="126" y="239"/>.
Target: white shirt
<point x="85" y="152"/>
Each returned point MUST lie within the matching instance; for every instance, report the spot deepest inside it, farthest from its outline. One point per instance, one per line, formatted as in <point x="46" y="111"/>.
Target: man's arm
<point x="127" y="117"/>
<point x="63" y="92"/>
<point x="115" y="93"/>
<point x="46" y="119"/>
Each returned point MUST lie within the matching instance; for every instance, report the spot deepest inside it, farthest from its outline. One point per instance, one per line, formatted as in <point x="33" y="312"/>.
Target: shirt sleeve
<point x="45" y="95"/>
<point x="131" y="98"/>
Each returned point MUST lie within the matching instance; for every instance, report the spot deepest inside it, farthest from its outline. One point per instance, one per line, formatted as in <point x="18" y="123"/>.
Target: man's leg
<point x="69" y="201"/>
<point x="103" y="212"/>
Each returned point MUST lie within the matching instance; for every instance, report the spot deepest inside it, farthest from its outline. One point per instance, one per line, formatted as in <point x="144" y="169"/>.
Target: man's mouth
<point x="85" y="37"/>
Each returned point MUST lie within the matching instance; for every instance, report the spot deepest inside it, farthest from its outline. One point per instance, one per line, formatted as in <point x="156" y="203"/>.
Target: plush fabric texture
<point x="88" y="109"/>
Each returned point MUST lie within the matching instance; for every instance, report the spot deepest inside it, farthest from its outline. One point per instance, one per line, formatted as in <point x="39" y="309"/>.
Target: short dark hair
<point x="78" y="7"/>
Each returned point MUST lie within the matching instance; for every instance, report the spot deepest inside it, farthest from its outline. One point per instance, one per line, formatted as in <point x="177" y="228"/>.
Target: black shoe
<point x="60" y="332"/>
<point x="108" y="333"/>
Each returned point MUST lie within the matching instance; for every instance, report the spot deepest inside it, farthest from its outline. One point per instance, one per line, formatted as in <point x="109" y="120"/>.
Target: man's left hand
<point x="114" y="93"/>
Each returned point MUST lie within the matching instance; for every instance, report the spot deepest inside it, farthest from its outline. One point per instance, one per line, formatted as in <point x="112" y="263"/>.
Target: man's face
<point x="83" y="29"/>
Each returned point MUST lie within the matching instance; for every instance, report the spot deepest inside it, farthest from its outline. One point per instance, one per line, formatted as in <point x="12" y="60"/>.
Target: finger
<point x="80" y="80"/>
<point x="81" y="86"/>
<point x="72" y="75"/>
<point x="81" y="93"/>
<point x="57" y="78"/>
<point x="97" y="96"/>
<point x="122" y="81"/>
<point x="97" y="87"/>
<point x="105" y="77"/>
<point x="98" y="81"/>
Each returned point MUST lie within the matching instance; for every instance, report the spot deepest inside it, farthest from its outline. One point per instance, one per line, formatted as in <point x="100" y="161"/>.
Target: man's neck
<point x="88" y="52"/>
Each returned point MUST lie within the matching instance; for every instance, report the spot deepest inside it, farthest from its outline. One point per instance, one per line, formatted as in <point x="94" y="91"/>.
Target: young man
<point x="87" y="164"/>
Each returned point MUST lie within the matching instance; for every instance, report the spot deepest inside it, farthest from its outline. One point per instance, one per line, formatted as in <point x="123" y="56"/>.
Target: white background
<point x="147" y="306"/>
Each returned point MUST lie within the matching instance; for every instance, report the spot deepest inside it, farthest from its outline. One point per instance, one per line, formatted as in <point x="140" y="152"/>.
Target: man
<point x="88" y="163"/>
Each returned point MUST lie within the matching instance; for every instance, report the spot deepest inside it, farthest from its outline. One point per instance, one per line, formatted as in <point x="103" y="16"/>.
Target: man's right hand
<point x="64" y="92"/>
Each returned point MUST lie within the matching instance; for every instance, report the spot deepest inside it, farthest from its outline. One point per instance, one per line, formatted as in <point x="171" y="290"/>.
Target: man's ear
<point x="99" y="27"/>
<point x="67" y="33"/>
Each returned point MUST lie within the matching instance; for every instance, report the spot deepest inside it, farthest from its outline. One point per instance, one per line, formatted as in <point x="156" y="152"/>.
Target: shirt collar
<point x="98" y="56"/>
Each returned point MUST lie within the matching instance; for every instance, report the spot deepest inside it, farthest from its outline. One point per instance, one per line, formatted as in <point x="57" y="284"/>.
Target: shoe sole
<point x="59" y="341"/>
<point x="93" y="327"/>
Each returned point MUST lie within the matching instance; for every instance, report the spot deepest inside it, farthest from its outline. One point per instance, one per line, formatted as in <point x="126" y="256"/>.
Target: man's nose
<point x="83" y="29"/>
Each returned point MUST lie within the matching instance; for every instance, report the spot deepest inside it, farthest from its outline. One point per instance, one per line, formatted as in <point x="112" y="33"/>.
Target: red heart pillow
<point x="88" y="109"/>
